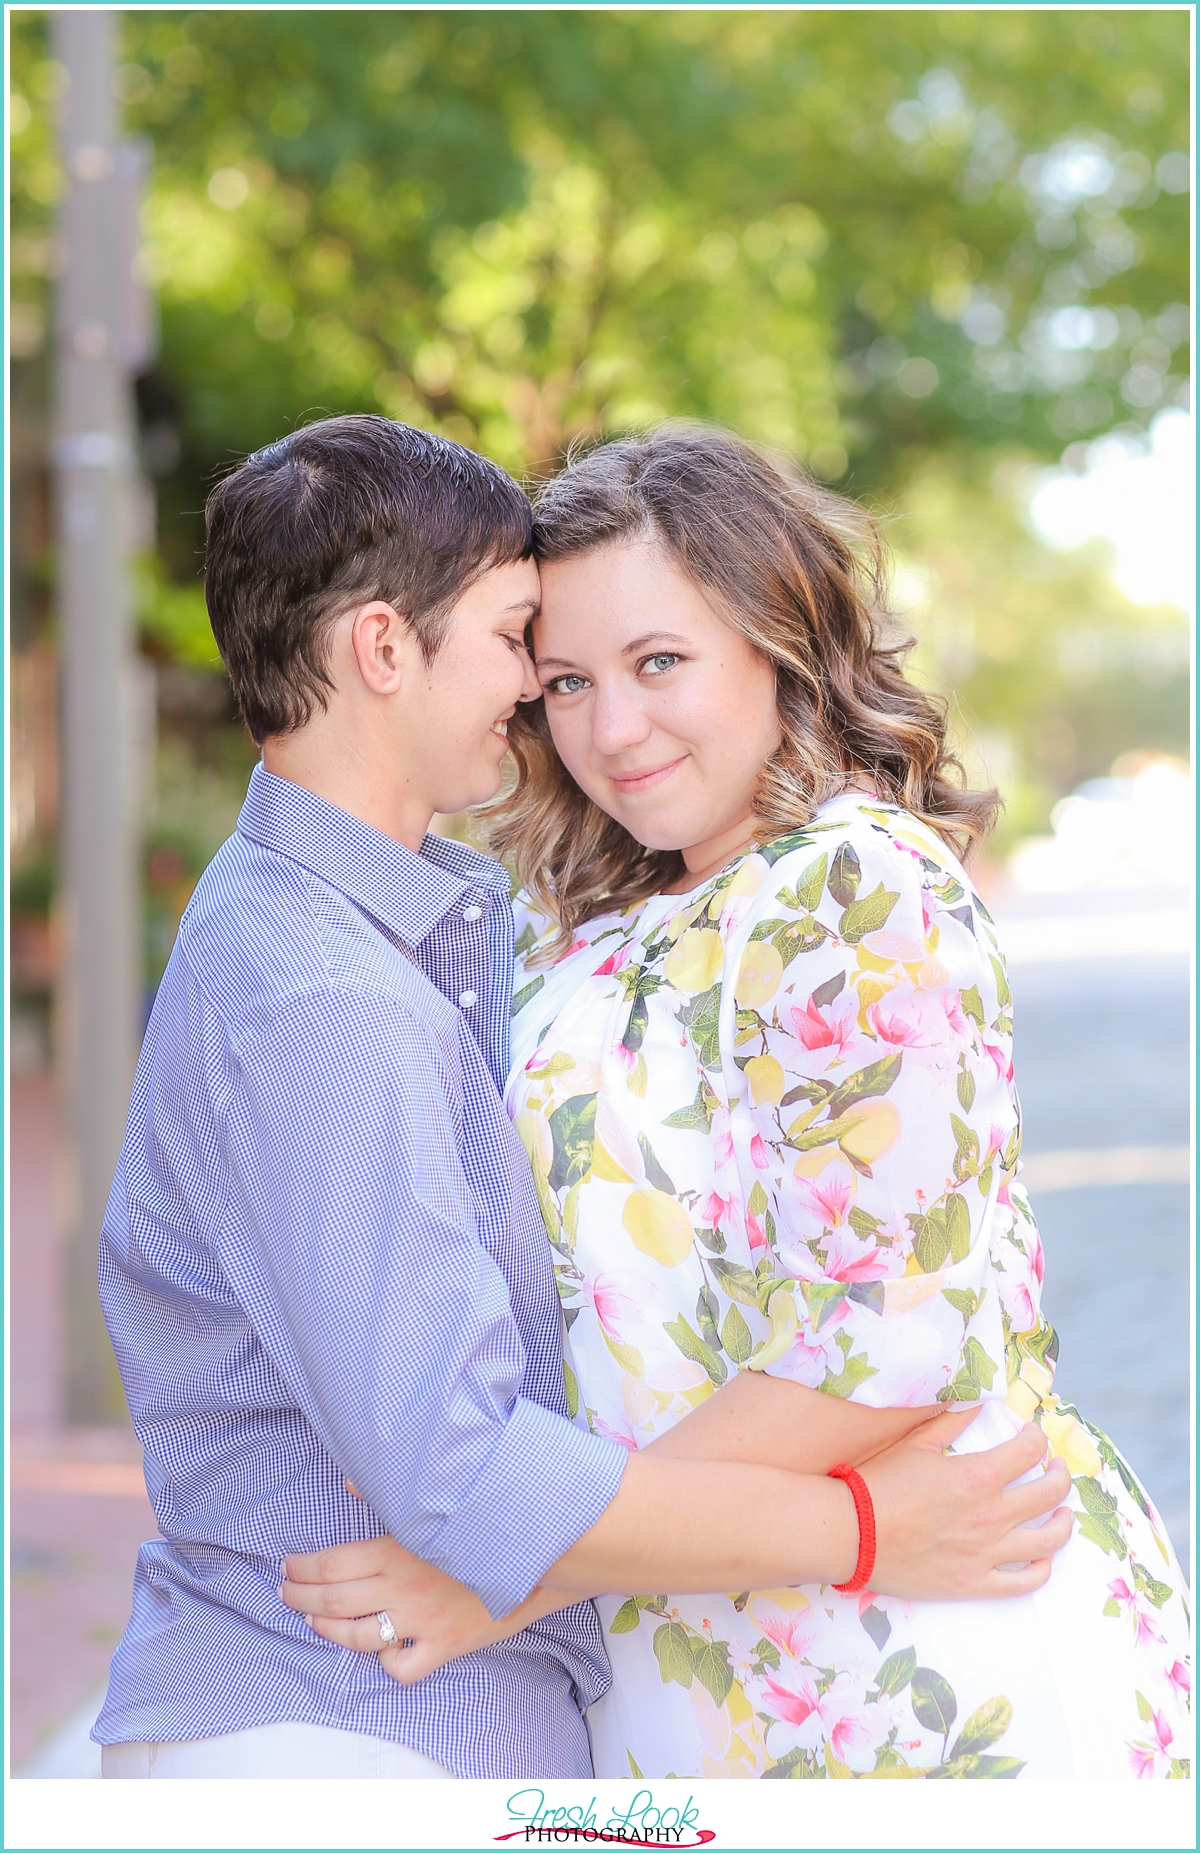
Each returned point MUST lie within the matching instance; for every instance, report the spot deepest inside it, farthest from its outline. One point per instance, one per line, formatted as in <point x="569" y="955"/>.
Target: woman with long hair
<point x="762" y="1067"/>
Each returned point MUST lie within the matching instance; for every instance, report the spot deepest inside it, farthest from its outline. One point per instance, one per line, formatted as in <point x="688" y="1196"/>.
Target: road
<point x="1103" y="1064"/>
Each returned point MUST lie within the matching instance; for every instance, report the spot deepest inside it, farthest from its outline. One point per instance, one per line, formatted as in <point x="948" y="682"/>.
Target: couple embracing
<point x="506" y="1288"/>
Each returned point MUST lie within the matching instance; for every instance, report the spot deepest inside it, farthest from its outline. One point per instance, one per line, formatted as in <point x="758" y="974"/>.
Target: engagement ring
<point x="387" y="1633"/>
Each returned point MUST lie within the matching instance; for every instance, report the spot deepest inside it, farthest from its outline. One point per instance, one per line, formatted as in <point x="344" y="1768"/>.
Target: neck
<point x="704" y="859"/>
<point x="356" y="774"/>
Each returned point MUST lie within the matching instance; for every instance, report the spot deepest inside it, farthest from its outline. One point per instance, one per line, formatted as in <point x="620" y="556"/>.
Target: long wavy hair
<point x="802" y="573"/>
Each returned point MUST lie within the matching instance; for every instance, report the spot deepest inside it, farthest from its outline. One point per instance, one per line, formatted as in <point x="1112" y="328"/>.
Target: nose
<point x="618" y="721"/>
<point x="531" y="688"/>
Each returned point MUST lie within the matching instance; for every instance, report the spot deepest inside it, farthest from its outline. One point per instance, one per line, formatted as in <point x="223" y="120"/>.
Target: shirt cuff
<point x="545" y="1485"/>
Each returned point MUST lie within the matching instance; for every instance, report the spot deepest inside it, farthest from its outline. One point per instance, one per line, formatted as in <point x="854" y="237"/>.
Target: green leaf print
<point x="1103" y="1532"/>
<point x="875" y="1079"/>
<point x="933" y="1700"/>
<point x="737" y="1281"/>
<point x="701" y="1017"/>
<point x="736" y="1336"/>
<point x="527" y="993"/>
<point x="1003" y="994"/>
<point x="865" y="1226"/>
<point x="758" y="1199"/>
<point x="1094" y="1498"/>
<point x="1145" y="1709"/>
<point x="711" y="1661"/>
<point x="571" y="1385"/>
<point x="767" y="929"/>
<point x="868" y="915"/>
<point x="800" y="936"/>
<point x="633" y="1768"/>
<point x="856" y="1371"/>
<point x="977" y="1768"/>
<point x="713" y="1240"/>
<point x="673" y="1651"/>
<point x="963" y="1302"/>
<point x="1112" y="1608"/>
<point x="698" y="1116"/>
<point x="626" y="1618"/>
<point x="654" y="1170"/>
<point x="573" y="1126"/>
<point x="877" y="1626"/>
<point x="708" y="1311"/>
<point x="526" y="942"/>
<point x="845" y="876"/>
<point x="966" y="1089"/>
<point x="931" y="1240"/>
<point x="694" y="1347"/>
<point x="810" y="886"/>
<point x="958" y="1225"/>
<point x="1110" y="1457"/>
<point x="635" y="1029"/>
<point x="986" y="1725"/>
<point x="976" y="1361"/>
<point x="896" y="1671"/>
<point x="1151" y="1588"/>
<point x="966" y="1157"/>
<point x="832" y="987"/>
<point x="822" y="1298"/>
<point x="972" y="1005"/>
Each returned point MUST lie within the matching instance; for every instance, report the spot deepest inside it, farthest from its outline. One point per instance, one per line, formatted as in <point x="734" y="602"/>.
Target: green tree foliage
<point x="897" y="243"/>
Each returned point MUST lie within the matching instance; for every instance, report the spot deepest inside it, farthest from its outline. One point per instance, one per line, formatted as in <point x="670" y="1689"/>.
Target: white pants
<point x="284" y="1749"/>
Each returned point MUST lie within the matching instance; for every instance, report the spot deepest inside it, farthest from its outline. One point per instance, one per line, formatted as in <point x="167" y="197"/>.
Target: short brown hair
<point x="802" y="574"/>
<point x="336" y="514"/>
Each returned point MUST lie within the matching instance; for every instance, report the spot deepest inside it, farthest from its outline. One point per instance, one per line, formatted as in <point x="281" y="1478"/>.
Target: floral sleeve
<point x="872" y="1036"/>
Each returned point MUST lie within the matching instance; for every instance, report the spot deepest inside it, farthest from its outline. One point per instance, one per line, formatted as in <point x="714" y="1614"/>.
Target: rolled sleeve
<point x="374" y="1292"/>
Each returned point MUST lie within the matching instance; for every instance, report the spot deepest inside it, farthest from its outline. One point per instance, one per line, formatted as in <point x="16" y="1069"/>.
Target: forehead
<point x="613" y="591"/>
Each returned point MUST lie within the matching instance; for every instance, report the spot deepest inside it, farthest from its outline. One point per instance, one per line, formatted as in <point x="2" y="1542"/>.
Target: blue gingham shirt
<point x="323" y="1256"/>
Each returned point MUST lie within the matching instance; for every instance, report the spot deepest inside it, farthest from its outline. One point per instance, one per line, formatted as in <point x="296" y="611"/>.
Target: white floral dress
<point x="773" y="1127"/>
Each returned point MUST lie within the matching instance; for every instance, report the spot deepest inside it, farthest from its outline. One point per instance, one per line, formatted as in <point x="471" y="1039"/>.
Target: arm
<point x="769" y="1420"/>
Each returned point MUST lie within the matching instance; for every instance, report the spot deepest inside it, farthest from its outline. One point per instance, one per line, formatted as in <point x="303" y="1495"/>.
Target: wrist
<point x="864" y="1512"/>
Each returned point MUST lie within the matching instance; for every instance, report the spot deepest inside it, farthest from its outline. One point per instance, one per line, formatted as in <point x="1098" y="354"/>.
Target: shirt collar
<point x="406" y="893"/>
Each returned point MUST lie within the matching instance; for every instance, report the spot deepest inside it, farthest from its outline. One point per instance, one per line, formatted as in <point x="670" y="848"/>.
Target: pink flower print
<point x="1037" y="1260"/>
<point x="755" y="1233"/>
<point x="928" y="910"/>
<point x="1001" y="1060"/>
<point x="830" y="1195"/>
<point x="835" y="1032"/>
<point x="1138" y="1611"/>
<point x="793" y="1631"/>
<point x="715" y="1210"/>
<point x="848" y="1259"/>
<point x="624" y="1056"/>
<point x="839" y="1717"/>
<point x="812" y="1355"/>
<point x="911" y="1020"/>
<point x="1181" y="1679"/>
<point x="617" y="960"/>
<point x="622" y="1435"/>
<point x="1148" y="1755"/>
<point x="722" y="1138"/>
<point x="577" y="945"/>
<point x="759" y="1153"/>
<point x="615" y="1308"/>
<point x="951" y="1002"/>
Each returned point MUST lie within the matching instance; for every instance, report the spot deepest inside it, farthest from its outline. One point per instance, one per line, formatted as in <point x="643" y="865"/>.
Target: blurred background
<point x="941" y="256"/>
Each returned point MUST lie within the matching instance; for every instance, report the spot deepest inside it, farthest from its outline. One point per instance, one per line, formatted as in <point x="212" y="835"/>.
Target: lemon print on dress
<point x="695" y="960"/>
<point x="759" y="973"/>
<point x="658" y="1226"/>
<point x="767" y="1080"/>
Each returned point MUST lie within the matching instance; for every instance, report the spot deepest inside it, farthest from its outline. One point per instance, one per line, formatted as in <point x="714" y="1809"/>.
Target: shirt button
<point x="472" y="913"/>
<point x="466" y="999"/>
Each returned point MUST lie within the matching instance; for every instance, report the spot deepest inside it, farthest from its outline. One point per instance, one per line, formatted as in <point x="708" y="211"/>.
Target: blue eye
<point x="566" y="685"/>
<point x="658" y="664"/>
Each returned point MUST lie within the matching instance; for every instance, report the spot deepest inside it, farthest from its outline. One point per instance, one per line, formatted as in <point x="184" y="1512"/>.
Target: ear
<point x="381" y="642"/>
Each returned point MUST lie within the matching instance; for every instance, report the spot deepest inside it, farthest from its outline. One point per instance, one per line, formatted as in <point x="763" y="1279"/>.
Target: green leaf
<point x="1094" y="1498"/>
<point x="966" y="1089"/>
<point x="654" y="1170"/>
<point x="896" y="1672"/>
<point x="1103" y="1532"/>
<point x="573" y="1126"/>
<point x="868" y="915"/>
<point x="958" y="1226"/>
<point x="1145" y="1709"/>
<point x="933" y="1700"/>
<point x="571" y="1385"/>
<point x="707" y="1312"/>
<point x="736" y="1336"/>
<point x="985" y="1726"/>
<point x="713" y="1240"/>
<point x="711" y="1660"/>
<point x="822" y="1298"/>
<point x="972" y="1005"/>
<point x="626" y="1618"/>
<point x="810" y="886"/>
<point x="877" y="1626"/>
<point x="638" y="1077"/>
<point x="931" y="1241"/>
<point x="767" y="929"/>
<point x="1003" y="994"/>
<point x="976" y="1768"/>
<point x="977" y="1362"/>
<point x="1112" y="1608"/>
<point x="962" y="1301"/>
<point x="634" y="1770"/>
<point x="527" y="992"/>
<point x="845" y="876"/>
<point x="758" y="1199"/>
<point x="673" y="1651"/>
<point x="698" y="1116"/>
<point x="635" y="1029"/>
<point x="864" y="1225"/>
<point x="694" y="1347"/>
<point x="1151" y="1588"/>
<point x="767" y="1652"/>
<point x="702" y="1019"/>
<point x="875" y="1079"/>
<point x="857" y="1371"/>
<point x="737" y="1281"/>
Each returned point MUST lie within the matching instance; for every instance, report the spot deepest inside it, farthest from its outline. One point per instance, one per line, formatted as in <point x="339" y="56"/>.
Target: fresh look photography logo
<point x="639" y="1822"/>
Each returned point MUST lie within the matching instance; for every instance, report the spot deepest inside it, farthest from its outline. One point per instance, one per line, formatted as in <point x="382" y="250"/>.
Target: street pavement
<point x="1102" y="1051"/>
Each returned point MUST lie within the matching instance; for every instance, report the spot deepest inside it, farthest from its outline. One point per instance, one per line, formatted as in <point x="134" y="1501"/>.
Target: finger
<point x="1015" y="1457"/>
<point x="1031" y="1498"/>
<point x="1022" y="1581"/>
<point x="362" y="1635"/>
<point x="408" y="1664"/>
<point x="351" y="1489"/>
<point x="341" y="1562"/>
<point x="1029" y="1541"/>
<point x="334" y="1601"/>
<point x="943" y="1430"/>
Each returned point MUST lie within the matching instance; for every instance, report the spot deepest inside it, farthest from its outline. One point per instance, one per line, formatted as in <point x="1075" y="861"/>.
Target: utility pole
<point x="94" y="464"/>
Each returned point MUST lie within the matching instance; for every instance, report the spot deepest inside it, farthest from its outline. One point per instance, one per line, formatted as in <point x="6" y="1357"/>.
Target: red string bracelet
<point x="865" y="1509"/>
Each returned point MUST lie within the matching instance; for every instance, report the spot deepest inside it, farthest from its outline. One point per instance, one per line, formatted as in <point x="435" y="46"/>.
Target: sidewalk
<point x="79" y="1508"/>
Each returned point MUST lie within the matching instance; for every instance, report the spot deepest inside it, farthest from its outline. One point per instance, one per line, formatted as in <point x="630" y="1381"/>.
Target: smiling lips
<point x="631" y="782"/>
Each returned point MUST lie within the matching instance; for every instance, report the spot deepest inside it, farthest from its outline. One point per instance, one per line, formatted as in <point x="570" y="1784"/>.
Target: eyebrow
<point x="531" y="605"/>
<point x="630" y="649"/>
